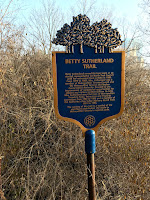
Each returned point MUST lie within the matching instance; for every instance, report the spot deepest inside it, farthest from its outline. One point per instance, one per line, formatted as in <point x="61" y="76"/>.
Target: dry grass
<point x="44" y="158"/>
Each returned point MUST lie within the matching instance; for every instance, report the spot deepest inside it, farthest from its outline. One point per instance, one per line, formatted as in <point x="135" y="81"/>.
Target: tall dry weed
<point x="44" y="158"/>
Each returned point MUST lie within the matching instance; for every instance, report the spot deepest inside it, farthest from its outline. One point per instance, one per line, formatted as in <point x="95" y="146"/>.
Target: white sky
<point x="128" y="8"/>
<point x="122" y="8"/>
<point x="127" y="11"/>
<point x="124" y="12"/>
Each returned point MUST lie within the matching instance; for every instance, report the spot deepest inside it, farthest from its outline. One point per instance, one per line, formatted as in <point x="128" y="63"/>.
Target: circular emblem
<point x="89" y="120"/>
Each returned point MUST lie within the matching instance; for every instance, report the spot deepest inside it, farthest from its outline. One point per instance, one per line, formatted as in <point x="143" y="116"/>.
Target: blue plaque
<point x="88" y="85"/>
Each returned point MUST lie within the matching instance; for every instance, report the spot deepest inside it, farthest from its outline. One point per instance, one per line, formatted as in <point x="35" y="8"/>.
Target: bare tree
<point x="9" y="32"/>
<point x="84" y="7"/>
<point x="144" y="28"/>
<point x="92" y="10"/>
<point x="43" y="25"/>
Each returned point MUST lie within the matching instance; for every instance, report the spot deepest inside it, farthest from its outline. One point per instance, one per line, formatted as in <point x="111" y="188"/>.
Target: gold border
<point x="73" y="120"/>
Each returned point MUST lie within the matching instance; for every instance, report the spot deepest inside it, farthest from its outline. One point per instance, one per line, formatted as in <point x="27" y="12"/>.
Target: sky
<point x="125" y="8"/>
<point x="128" y="9"/>
<point x="119" y="9"/>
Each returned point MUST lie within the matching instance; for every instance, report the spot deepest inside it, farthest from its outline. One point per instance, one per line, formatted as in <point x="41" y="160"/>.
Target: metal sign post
<point x="89" y="80"/>
<point x="90" y="149"/>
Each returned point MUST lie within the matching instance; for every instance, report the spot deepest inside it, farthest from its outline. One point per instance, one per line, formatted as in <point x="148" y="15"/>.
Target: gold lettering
<point x="111" y="60"/>
<point x="83" y="60"/>
<point x="89" y="61"/>
<point x="66" y="61"/>
<point x="89" y="66"/>
<point x="93" y="90"/>
<point x="72" y="61"/>
<point x="78" y="60"/>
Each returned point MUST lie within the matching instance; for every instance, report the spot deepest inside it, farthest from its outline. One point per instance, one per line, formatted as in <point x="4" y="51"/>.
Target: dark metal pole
<point x="91" y="176"/>
<point x="90" y="150"/>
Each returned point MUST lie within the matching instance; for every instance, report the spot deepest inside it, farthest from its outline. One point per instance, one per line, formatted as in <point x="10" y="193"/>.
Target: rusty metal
<point x="91" y="176"/>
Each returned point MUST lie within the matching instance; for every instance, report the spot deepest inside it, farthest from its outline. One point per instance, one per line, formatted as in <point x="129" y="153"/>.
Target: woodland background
<point x="44" y="158"/>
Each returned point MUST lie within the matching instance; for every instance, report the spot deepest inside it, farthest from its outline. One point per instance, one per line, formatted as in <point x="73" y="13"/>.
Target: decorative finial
<point x="99" y="35"/>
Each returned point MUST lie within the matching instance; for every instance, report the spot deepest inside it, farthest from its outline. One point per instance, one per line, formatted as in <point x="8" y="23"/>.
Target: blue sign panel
<point x="88" y="87"/>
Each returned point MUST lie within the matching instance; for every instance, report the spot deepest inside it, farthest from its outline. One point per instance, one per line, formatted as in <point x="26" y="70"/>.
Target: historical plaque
<point x="89" y="76"/>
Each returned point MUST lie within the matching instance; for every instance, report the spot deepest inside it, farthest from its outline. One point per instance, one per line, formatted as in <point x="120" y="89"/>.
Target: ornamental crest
<point x="99" y="35"/>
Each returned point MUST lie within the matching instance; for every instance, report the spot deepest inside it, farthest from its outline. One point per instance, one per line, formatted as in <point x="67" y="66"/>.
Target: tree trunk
<point x="101" y="49"/>
<point x="68" y="49"/>
<point x="72" y="48"/>
<point x="96" y="48"/>
<point x="110" y="50"/>
<point x="81" y="47"/>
